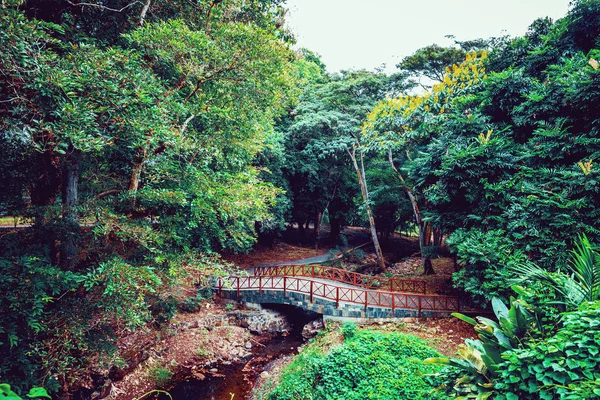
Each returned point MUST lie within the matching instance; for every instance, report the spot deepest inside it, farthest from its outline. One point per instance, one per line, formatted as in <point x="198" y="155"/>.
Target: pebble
<point x="248" y="345"/>
<point x="199" y="376"/>
<point x="213" y="370"/>
<point x="264" y="374"/>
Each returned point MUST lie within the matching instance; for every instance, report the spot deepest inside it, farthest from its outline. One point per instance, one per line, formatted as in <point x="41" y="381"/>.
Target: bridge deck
<point x="323" y="294"/>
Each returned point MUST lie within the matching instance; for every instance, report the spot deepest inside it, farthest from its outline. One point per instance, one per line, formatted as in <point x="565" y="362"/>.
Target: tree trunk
<point x="360" y="172"/>
<point x="336" y="228"/>
<point x="69" y="207"/>
<point x="317" y="228"/>
<point x="134" y="181"/>
<point x="425" y="241"/>
<point x="424" y="227"/>
<point x="301" y="229"/>
<point x="427" y="267"/>
<point x="46" y="187"/>
<point x="70" y="185"/>
<point x="438" y="236"/>
<point x="43" y="194"/>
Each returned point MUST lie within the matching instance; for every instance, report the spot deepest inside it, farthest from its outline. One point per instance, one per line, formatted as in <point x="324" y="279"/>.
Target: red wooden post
<point x="284" y="285"/>
<point x="419" y="312"/>
<point x="393" y="305"/>
<point x="366" y="299"/>
<point x="238" y="287"/>
<point x="260" y="285"/>
<point x="337" y="297"/>
<point x="311" y="291"/>
<point x="354" y="279"/>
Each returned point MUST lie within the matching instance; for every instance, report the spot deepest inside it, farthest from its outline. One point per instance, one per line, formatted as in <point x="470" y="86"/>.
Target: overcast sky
<point x="367" y="33"/>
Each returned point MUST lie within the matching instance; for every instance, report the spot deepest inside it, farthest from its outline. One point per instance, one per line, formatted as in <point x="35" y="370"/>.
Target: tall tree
<point x="151" y="137"/>
<point x="401" y="128"/>
<point x="322" y="143"/>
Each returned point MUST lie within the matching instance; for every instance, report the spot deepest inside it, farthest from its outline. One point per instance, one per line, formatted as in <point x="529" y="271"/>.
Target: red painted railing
<point x="341" y="275"/>
<point x="336" y="293"/>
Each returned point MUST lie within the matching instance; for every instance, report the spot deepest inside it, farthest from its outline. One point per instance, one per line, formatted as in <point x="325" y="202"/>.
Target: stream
<point x="236" y="380"/>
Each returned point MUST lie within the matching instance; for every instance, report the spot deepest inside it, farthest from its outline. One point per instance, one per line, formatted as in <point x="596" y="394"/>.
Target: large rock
<point x="262" y="321"/>
<point x="132" y="360"/>
<point x="311" y="329"/>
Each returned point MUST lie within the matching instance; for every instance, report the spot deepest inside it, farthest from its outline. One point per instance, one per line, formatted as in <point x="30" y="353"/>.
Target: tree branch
<point x="103" y="7"/>
<point x="186" y="122"/>
<point x="144" y="12"/>
<point x="108" y="192"/>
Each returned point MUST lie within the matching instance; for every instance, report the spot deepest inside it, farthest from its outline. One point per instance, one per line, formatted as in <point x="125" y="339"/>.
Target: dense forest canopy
<point x="140" y="139"/>
<point x="128" y="136"/>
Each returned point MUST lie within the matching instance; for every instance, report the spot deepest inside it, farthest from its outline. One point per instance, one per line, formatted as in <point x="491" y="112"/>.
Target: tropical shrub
<point x="565" y="365"/>
<point x="579" y="284"/>
<point x="472" y="375"/>
<point x="486" y="257"/>
<point x="534" y="351"/>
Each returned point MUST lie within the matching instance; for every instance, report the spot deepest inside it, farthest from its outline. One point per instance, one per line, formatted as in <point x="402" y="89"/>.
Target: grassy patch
<point x="160" y="376"/>
<point x="367" y="365"/>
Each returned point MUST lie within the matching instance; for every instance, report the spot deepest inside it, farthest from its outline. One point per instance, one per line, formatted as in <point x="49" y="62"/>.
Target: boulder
<point x="311" y="329"/>
<point x="262" y="321"/>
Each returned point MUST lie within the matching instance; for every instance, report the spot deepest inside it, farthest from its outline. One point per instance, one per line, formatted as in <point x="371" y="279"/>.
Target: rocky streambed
<point x="212" y="354"/>
<point x="277" y="333"/>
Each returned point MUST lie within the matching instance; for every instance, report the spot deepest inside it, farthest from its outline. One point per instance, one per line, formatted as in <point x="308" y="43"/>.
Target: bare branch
<point x="186" y="122"/>
<point x="104" y="7"/>
<point x="144" y="12"/>
<point x="108" y="192"/>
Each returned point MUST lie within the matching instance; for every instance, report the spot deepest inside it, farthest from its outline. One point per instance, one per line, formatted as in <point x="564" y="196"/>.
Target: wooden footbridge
<point x="337" y="292"/>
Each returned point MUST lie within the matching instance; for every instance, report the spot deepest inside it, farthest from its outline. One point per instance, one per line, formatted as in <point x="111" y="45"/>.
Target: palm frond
<point x="581" y="283"/>
<point x="585" y="268"/>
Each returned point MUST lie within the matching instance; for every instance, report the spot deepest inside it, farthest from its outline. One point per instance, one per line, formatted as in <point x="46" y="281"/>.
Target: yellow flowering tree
<point x="401" y="127"/>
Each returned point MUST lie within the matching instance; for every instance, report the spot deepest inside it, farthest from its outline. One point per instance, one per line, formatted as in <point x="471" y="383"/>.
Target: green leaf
<point x="38" y="392"/>
<point x="437" y="360"/>
<point x="464" y="318"/>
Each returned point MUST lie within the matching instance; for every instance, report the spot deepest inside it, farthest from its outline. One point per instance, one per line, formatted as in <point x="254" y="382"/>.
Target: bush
<point x="193" y="303"/>
<point x="369" y="365"/>
<point x="160" y="376"/>
<point x="34" y="393"/>
<point x="29" y="287"/>
<point x="486" y="257"/>
<point x="565" y="366"/>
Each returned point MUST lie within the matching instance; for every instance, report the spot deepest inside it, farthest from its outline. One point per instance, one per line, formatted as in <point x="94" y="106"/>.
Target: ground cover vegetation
<point x="366" y="365"/>
<point x="143" y="138"/>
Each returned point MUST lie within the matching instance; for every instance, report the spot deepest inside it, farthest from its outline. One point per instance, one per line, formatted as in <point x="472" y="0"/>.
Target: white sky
<point x="367" y="33"/>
